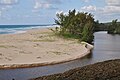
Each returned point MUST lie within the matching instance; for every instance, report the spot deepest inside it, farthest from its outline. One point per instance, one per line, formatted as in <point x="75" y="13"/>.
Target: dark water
<point x="106" y="47"/>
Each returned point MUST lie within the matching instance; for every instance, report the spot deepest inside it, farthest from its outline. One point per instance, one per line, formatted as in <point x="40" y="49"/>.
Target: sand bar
<point x="38" y="47"/>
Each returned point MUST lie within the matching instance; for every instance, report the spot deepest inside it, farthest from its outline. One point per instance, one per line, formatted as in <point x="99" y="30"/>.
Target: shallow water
<point x="106" y="47"/>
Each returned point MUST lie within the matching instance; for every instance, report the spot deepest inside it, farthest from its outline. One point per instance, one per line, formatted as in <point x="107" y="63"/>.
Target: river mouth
<point x="106" y="47"/>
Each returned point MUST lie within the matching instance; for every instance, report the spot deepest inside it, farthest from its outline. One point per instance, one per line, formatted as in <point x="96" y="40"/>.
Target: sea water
<point x="13" y="29"/>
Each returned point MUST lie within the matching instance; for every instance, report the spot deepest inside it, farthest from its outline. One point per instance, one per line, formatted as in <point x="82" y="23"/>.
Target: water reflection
<point x="106" y="47"/>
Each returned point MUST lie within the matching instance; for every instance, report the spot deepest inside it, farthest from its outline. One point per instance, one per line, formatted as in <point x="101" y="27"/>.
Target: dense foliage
<point x="78" y="25"/>
<point x="101" y="26"/>
<point x="114" y="27"/>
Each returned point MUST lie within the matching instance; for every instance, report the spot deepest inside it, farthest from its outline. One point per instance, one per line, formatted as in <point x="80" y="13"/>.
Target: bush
<point x="76" y="25"/>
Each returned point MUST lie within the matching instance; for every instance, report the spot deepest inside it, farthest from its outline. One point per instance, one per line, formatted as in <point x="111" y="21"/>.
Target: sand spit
<point x="38" y="47"/>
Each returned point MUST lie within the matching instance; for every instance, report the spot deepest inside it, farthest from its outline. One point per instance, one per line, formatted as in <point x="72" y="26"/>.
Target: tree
<point x="87" y="34"/>
<point x="78" y="25"/>
<point x="112" y="28"/>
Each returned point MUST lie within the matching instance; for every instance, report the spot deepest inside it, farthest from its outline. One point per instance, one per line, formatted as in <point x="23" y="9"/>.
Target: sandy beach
<point x="38" y="46"/>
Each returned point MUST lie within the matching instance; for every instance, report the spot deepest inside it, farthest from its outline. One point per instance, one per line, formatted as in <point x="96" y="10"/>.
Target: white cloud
<point x="54" y="1"/>
<point x="5" y="5"/>
<point x="89" y="8"/>
<point x="0" y="13"/>
<point x="8" y="2"/>
<point x="3" y="9"/>
<point x="113" y="2"/>
<point x="111" y="9"/>
<point x="59" y="12"/>
<point x="86" y="0"/>
<point x="45" y="4"/>
<point x="41" y="5"/>
<point x="37" y="5"/>
<point x="108" y="12"/>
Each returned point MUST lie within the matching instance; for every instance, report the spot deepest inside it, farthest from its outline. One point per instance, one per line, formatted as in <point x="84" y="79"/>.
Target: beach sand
<point x="38" y="46"/>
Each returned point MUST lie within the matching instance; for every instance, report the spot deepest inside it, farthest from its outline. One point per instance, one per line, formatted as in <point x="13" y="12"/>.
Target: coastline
<point x="17" y="50"/>
<point x="109" y="69"/>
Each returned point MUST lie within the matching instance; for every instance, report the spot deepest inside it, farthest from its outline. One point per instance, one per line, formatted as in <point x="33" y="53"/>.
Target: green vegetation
<point x="87" y="33"/>
<point x="44" y="40"/>
<point x="101" y="26"/>
<point x="58" y="53"/>
<point x="111" y="27"/>
<point x="78" y="25"/>
<point x="114" y="27"/>
<point x="2" y="46"/>
<point x="7" y="46"/>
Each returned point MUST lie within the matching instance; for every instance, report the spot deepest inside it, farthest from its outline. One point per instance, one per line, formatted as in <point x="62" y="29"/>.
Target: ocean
<point x="13" y="29"/>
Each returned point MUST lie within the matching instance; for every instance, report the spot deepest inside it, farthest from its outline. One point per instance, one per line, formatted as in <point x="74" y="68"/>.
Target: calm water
<point x="106" y="47"/>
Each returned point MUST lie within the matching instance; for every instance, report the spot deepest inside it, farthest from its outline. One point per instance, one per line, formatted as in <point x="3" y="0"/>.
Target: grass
<point x="6" y="46"/>
<point x="70" y="36"/>
<point x="2" y="46"/>
<point x="47" y="32"/>
<point x="65" y="35"/>
<point x="44" y="40"/>
<point x="58" y="53"/>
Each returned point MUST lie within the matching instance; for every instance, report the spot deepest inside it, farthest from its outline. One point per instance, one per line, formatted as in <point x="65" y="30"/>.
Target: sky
<point x="44" y="11"/>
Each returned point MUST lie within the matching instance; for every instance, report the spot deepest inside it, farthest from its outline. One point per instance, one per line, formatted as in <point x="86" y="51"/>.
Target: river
<point x="106" y="47"/>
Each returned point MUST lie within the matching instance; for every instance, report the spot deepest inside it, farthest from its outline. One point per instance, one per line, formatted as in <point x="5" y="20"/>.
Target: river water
<point x="106" y="47"/>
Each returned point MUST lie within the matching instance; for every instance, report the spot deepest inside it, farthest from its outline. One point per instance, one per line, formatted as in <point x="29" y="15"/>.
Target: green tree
<point x="77" y="25"/>
<point x="112" y="28"/>
<point x="87" y="34"/>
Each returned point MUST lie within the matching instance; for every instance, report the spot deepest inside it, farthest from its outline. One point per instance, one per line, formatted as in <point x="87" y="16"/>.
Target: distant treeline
<point x="101" y="27"/>
<point x="114" y="27"/>
<point x="111" y="27"/>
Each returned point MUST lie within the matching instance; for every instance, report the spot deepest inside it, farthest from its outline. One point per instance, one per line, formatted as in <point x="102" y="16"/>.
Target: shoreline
<point x="65" y="57"/>
<point x="15" y="66"/>
<point x="109" y="69"/>
<point x="24" y="29"/>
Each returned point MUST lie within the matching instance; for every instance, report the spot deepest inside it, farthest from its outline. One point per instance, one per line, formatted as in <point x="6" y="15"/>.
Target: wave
<point x="13" y="29"/>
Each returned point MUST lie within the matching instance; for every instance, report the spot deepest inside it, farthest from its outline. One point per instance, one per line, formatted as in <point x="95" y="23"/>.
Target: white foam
<point x="21" y="29"/>
<point x="18" y="32"/>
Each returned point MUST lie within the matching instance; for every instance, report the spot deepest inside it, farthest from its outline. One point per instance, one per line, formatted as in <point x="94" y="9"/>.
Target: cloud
<point x="89" y="8"/>
<point x="0" y="13"/>
<point x="113" y="2"/>
<point x="8" y="2"/>
<point x="5" y="5"/>
<point x="45" y="4"/>
<point x="59" y="12"/>
<point x="41" y="5"/>
<point x="86" y="0"/>
<point x="54" y="1"/>
<point x="108" y="12"/>
<point x="112" y="7"/>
